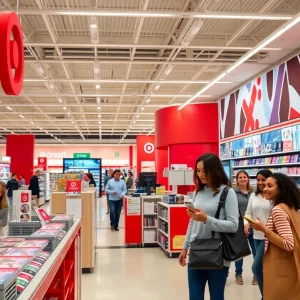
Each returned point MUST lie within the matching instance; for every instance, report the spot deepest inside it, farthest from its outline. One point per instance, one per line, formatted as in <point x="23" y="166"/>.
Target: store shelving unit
<point x="44" y="184"/>
<point x="171" y="233"/>
<point x="53" y="181"/>
<point x="4" y="168"/>
<point x="149" y="219"/>
<point x="60" y="276"/>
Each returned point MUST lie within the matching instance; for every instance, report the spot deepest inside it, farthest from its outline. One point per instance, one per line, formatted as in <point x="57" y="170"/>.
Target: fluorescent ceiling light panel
<point x="59" y="100"/>
<point x="142" y="108"/>
<point x="98" y="107"/>
<point x="156" y="87"/>
<point x="166" y="72"/>
<point x="96" y="67"/>
<point x="192" y="32"/>
<point x="32" y="123"/>
<point x="98" y="100"/>
<point x="64" y="108"/>
<point x="98" y="86"/>
<point x="148" y="100"/>
<point x="21" y="116"/>
<point x="9" y="108"/>
<point x="93" y="22"/>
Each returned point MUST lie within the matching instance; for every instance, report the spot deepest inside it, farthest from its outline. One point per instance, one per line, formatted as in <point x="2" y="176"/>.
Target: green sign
<point x="117" y="154"/>
<point x="81" y="155"/>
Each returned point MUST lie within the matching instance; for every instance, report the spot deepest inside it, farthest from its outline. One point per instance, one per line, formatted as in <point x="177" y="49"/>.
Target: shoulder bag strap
<point x="221" y="203"/>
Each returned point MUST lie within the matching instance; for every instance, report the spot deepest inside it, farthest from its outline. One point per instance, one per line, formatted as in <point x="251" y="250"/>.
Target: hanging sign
<point x="11" y="54"/>
<point x="42" y="163"/>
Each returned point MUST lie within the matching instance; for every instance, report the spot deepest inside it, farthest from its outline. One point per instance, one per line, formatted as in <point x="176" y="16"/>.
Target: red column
<point x="145" y="147"/>
<point x="21" y="150"/>
<point x="130" y="157"/>
<point x="187" y="133"/>
<point x="162" y="162"/>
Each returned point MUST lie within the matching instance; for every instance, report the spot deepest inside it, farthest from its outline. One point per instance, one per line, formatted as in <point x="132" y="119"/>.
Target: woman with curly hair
<point x="281" y="263"/>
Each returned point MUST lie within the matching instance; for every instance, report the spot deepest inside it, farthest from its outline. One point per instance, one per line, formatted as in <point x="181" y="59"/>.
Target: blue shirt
<point x="118" y="186"/>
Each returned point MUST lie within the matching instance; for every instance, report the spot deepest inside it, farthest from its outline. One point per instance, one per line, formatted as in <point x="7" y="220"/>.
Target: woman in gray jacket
<point x="243" y="192"/>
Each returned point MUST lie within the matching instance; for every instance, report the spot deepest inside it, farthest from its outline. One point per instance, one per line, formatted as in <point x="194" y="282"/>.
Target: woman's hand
<point x="197" y="215"/>
<point x="182" y="258"/>
<point x="247" y="229"/>
<point x="259" y="225"/>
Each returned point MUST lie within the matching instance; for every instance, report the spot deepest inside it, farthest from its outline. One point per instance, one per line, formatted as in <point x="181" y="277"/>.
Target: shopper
<point x="243" y="192"/>
<point x="35" y="189"/>
<point x="91" y="179"/>
<point x="116" y="189"/>
<point x="3" y="208"/>
<point x="22" y="181"/>
<point x="129" y="182"/>
<point x="210" y="180"/>
<point x="282" y="248"/>
<point x="106" y="179"/>
<point x="12" y="185"/>
<point x="258" y="207"/>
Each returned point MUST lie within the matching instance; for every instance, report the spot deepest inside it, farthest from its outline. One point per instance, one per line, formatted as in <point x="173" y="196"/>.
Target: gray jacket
<point x="242" y="201"/>
<point x="3" y="217"/>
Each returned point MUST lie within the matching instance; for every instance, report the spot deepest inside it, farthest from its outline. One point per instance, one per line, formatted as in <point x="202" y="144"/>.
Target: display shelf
<point x="164" y="233"/>
<point x="50" y="280"/>
<point x="168" y="216"/>
<point x="261" y="155"/>
<point x="266" y="165"/>
<point x="149" y="227"/>
<point x="154" y="214"/>
<point x="163" y="219"/>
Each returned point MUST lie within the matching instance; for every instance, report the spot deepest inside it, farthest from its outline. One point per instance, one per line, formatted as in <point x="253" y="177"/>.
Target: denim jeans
<point x="257" y="267"/>
<point x="239" y="263"/>
<point x="115" y="208"/>
<point x="216" y="283"/>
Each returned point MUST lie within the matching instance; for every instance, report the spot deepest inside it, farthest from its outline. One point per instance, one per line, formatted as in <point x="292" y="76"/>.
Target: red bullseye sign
<point x="11" y="53"/>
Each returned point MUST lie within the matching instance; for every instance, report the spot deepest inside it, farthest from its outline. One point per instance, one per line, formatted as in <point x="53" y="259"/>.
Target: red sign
<point x="42" y="163"/>
<point x="73" y="186"/>
<point x="11" y="53"/>
<point x="24" y="197"/>
<point x="44" y="215"/>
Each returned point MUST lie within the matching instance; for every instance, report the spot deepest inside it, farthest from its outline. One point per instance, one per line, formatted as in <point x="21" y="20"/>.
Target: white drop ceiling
<point x="139" y="47"/>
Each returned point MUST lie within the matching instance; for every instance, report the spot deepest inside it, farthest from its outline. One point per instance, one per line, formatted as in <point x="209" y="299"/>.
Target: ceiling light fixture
<point x="137" y="116"/>
<point x="99" y="122"/>
<point x="192" y="32"/>
<point x="142" y="108"/>
<point x="21" y="116"/>
<point x="12" y="132"/>
<point x="64" y="108"/>
<point x="9" y="108"/>
<point x="51" y="86"/>
<point x="72" y="122"/>
<point x="93" y="22"/>
<point x="59" y="100"/>
<point x="98" y="107"/>
<point x="96" y="67"/>
<point x="98" y="86"/>
<point x="156" y="87"/>
<point x="151" y="131"/>
<point x="98" y="100"/>
<point x="32" y="123"/>
<point x="39" y="68"/>
<point x="148" y="100"/>
<point x="168" y="69"/>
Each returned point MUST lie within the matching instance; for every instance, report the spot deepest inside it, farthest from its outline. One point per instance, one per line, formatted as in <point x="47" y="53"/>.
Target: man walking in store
<point x="106" y="179"/>
<point x="116" y="189"/>
<point x="35" y="189"/>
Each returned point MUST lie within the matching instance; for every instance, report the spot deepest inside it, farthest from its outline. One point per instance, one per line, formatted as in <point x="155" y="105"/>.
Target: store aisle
<point x="106" y="238"/>
<point x="144" y="273"/>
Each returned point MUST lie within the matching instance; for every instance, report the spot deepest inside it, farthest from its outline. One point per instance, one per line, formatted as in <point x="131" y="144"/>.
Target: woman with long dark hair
<point x="243" y="191"/>
<point x="210" y="180"/>
<point x="3" y="207"/>
<point x="258" y="207"/>
<point x="281" y="262"/>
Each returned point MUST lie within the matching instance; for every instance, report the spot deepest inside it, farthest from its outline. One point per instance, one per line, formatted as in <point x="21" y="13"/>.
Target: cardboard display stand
<point x="22" y="205"/>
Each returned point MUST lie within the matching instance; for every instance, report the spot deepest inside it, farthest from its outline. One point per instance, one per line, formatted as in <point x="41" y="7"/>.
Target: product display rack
<point x="53" y="181"/>
<point x="60" y="276"/>
<point x="285" y="162"/>
<point x="171" y="233"/>
<point x="44" y="184"/>
<point x="4" y="168"/>
<point x="149" y="219"/>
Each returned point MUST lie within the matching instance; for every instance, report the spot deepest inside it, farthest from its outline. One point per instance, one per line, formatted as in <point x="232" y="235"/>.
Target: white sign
<point x="133" y="206"/>
<point x="22" y="205"/>
<point x="53" y="154"/>
<point x="74" y="208"/>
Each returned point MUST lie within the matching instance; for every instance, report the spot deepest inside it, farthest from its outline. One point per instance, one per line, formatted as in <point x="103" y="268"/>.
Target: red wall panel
<point x="21" y="150"/>
<point x="145" y="147"/>
<point x="130" y="157"/>
<point x="162" y="161"/>
<point x="196" y="123"/>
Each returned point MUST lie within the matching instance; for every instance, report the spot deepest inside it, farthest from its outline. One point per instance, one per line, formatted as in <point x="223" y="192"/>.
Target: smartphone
<point x="248" y="219"/>
<point x="189" y="205"/>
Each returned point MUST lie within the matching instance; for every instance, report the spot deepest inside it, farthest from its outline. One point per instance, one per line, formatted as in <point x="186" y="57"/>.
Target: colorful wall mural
<point x="270" y="99"/>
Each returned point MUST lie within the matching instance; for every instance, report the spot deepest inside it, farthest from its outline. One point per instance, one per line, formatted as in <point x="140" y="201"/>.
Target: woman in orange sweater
<point x="281" y="265"/>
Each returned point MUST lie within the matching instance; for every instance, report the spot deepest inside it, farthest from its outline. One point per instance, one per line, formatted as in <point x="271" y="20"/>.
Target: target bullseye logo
<point x="73" y="184"/>
<point x="11" y="53"/>
<point x="149" y="148"/>
<point x="42" y="160"/>
<point x="24" y="198"/>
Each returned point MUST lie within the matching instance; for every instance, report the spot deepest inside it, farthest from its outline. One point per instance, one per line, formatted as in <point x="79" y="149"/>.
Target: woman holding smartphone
<point x="243" y="192"/>
<point x="258" y="207"/>
<point x="210" y="180"/>
<point x="281" y="263"/>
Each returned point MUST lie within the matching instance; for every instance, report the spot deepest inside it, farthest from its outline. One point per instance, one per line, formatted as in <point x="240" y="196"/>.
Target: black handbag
<point x="235" y="245"/>
<point x="207" y="254"/>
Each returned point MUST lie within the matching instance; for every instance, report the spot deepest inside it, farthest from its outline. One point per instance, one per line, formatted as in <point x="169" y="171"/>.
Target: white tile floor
<point x="145" y="273"/>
